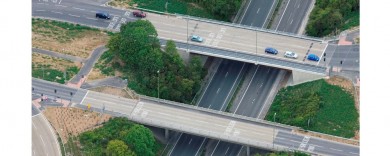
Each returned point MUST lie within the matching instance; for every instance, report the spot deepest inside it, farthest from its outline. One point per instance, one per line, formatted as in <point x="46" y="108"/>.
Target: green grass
<point x="352" y="20"/>
<point x="62" y="31"/>
<point x="174" y="6"/>
<point x="104" y="64"/>
<point x="330" y="109"/>
<point x="45" y="72"/>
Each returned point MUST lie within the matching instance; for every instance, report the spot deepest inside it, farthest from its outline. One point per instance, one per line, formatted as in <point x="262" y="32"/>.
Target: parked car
<point x="196" y="38"/>
<point x="103" y="15"/>
<point x="138" y="13"/>
<point x="271" y="50"/>
<point x="290" y="54"/>
<point x="313" y="57"/>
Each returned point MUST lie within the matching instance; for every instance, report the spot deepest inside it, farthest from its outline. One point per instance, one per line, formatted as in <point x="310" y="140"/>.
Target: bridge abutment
<point x="299" y="77"/>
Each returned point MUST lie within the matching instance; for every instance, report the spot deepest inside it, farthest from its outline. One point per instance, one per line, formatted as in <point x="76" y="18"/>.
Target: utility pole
<point x="273" y="136"/>
<point x="187" y="36"/>
<point x="158" y="85"/>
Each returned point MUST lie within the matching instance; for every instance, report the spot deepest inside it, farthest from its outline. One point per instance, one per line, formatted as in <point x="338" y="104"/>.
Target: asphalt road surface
<point x="257" y="12"/>
<point x="293" y="15"/>
<point x="215" y="97"/>
<point x="59" y="55"/>
<point x="175" y="28"/>
<point x="44" y="140"/>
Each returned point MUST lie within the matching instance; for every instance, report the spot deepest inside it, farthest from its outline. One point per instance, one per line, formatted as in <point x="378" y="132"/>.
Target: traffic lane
<point x="43" y="137"/>
<point x="255" y="99"/>
<point x="259" y="9"/>
<point x="186" y="146"/>
<point x="293" y="15"/>
<point x="109" y="102"/>
<point x="349" y="55"/>
<point x="34" y="110"/>
<point x="226" y="149"/>
<point x="233" y="44"/>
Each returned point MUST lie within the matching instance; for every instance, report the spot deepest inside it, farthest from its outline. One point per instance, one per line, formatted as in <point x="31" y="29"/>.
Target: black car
<point x="102" y="15"/>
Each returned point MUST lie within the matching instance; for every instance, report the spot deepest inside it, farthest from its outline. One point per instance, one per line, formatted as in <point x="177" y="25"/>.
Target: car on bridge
<point x="196" y="38"/>
<point x="313" y="57"/>
<point x="138" y="13"/>
<point x="291" y="54"/>
<point x="103" y="15"/>
<point x="270" y="50"/>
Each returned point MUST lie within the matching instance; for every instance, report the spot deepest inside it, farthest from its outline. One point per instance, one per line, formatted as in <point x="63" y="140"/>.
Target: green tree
<point x="116" y="148"/>
<point x="141" y="140"/>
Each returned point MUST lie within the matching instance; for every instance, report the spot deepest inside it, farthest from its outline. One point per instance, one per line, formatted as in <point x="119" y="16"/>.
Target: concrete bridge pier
<point x="248" y="152"/>
<point x="166" y="134"/>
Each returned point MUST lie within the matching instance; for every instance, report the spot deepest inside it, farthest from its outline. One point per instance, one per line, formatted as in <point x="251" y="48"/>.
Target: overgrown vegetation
<point x="137" y="54"/>
<point x="220" y="10"/>
<point x="47" y="73"/>
<point x="61" y="31"/>
<point x="329" y="16"/>
<point x="316" y="106"/>
<point x="104" y="64"/>
<point x="119" y="137"/>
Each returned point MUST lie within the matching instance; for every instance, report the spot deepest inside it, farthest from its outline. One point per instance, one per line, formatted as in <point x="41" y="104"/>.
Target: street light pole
<point x="273" y="136"/>
<point x="158" y="85"/>
<point x="187" y="35"/>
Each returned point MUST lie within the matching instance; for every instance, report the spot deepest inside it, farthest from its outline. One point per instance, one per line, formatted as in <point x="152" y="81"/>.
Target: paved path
<point x="110" y="81"/>
<point x="44" y="140"/>
<point x="59" y="55"/>
<point x="88" y="65"/>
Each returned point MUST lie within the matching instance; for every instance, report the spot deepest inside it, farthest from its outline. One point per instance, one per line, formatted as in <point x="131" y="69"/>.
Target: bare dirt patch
<point x="77" y="41"/>
<point x="95" y="74"/>
<point x="121" y="4"/>
<point x="53" y="62"/>
<point x="349" y="87"/>
<point x="116" y="91"/>
<point x="73" y="121"/>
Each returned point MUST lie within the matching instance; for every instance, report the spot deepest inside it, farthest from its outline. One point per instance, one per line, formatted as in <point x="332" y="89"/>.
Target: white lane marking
<point x="91" y="18"/>
<point x="56" y="12"/>
<point x="34" y="152"/>
<point x="61" y="5"/>
<point x="215" y="148"/>
<point x="295" y="141"/>
<point x="299" y="5"/>
<point x="73" y="15"/>
<point x="226" y="74"/>
<point x="224" y="102"/>
<point x="190" y="141"/>
<point x="282" y="15"/>
<point x="246" y="89"/>
<point x="40" y="10"/>
<point x="245" y="11"/>
<point x="268" y="14"/>
<point x="354" y="153"/>
<point x="218" y="90"/>
<point x="77" y="8"/>
<point x="42" y="141"/>
<point x="335" y="149"/>
<point x="207" y="86"/>
<point x="291" y="21"/>
<point x="92" y="11"/>
<point x="60" y="2"/>
<point x="34" y="125"/>
<point x="200" y="146"/>
<point x="323" y="54"/>
<point x="227" y="150"/>
<point x="175" y="144"/>
<point x="84" y="97"/>
<point x="258" y="11"/>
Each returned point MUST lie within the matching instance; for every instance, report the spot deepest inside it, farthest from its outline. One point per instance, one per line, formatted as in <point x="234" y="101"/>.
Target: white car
<point x="291" y="54"/>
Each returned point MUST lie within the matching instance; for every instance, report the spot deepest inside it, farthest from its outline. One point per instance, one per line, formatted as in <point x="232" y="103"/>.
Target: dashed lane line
<point x="335" y="149"/>
<point x="56" y="12"/>
<point x="73" y="15"/>
<point x="91" y="18"/>
<point x="61" y="5"/>
<point x="78" y="8"/>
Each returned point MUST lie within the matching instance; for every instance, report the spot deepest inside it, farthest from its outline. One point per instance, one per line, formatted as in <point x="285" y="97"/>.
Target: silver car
<point x="291" y="54"/>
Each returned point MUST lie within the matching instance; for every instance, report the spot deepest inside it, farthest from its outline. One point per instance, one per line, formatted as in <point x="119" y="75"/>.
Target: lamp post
<point x="273" y="136"/>
<point x="158" y="85"/>
<point x="187" y="35"/>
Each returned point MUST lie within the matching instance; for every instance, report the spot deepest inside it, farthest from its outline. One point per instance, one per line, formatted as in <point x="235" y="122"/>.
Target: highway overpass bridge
<point x="190" y="119"/>
<point x="221" y="39"/>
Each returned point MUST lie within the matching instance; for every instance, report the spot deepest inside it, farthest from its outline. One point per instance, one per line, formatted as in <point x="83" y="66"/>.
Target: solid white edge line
<point x="215" y="148"/>
<point x="212" y="77"/>
<point x="268" y="14"/>
<point x="200" y="146"/>
<point x="246" y="89"/>
<point x="224" y="102"/>
<point x="250" y="1"/>
<point x="60" y="2"/>
<point x="322" y="54"/>
<point x="170" y="152"/>
<point x="84" y="97"/>
<point x="282" y="16"/>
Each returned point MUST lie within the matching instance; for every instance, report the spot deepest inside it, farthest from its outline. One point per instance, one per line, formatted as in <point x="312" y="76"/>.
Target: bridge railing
<point x="222" y="113"/>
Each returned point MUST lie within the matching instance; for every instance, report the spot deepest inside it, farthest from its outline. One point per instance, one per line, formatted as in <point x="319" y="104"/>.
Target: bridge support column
<point x="166" y="134"/>
<point x="302" y="77"/>
<point x="248" y="152"/>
